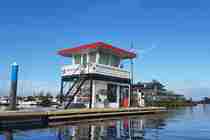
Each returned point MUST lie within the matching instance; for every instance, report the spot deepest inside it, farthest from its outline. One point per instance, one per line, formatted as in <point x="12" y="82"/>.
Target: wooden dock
<point x="16" y="119"/>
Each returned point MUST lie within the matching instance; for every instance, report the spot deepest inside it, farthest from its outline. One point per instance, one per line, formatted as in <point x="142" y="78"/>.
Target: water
<point x="191" y="123"/>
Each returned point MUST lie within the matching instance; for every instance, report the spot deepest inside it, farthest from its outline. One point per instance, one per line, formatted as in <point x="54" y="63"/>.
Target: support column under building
<point x="61" y="91"/>
<point x="129" y="95"/>
<point x="93" y="93"/>
<point x="118" y="96"/>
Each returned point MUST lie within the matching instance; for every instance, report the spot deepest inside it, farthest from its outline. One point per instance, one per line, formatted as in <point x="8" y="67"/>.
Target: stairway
<point x="73" y="90"/>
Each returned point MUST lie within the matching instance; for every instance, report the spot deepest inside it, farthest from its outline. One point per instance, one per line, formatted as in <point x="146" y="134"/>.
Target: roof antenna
<point x="131" y="74"/>
<point x="132" y="64"/>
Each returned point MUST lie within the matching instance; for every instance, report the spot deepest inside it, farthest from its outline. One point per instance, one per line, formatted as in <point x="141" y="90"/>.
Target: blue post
<point x="13" y="90"/>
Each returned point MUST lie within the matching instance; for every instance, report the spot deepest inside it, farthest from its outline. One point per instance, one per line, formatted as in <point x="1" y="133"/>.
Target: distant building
<point x="206" y="100"/>
<point x="154" y="91"/>
<point x="4" y="100"/>
<point x="138" y="96"/>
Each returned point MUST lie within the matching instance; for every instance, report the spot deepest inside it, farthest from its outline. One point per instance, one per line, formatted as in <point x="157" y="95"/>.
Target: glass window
<point x="84" y="59"/>
<point x="77" y="59"/>
<point x="112" y="93"/>
<point x="104" y="58"/>
<point x="92" y="57"/>
<point x="115" y="61"/>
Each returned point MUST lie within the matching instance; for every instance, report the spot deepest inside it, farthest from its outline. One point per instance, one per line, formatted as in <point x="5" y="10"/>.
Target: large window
<point x="115" y="61"/>
<point x="84" y="59"/>
<point x="92" y="57"/>
<point x="112" y="93"/>
<point x="77" y="59"/>
<point x="104" y="58"/>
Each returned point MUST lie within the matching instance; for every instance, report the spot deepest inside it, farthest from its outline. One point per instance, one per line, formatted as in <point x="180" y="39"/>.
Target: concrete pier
<point x="15" y="119"/>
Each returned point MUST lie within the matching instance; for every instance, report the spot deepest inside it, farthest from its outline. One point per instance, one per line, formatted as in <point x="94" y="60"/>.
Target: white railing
<point x="69" y="70"/>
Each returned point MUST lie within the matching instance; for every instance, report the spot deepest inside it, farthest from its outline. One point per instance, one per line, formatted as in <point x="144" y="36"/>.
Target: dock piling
<point x="13" y="89"/>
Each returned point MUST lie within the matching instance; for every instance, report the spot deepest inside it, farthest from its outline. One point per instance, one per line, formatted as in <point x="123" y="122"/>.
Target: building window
<point x="104" y="58"/>
<point x="112" y="93"/>
<point x="77" y="59"/>
<point x="92" y="57"/>
<point x="115" y="61"/>
<point x="84" y="59"/>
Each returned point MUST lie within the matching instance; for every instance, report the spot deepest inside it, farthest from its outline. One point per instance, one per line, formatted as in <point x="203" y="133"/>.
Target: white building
<point x="95" y="76"/>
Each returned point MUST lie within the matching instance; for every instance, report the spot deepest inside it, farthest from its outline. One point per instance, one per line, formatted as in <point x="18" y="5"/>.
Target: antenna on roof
<point x="131" y="73"/>
<point x="132" y="66"/>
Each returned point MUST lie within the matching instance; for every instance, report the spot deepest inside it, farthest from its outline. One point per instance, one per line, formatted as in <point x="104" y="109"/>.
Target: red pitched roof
<point x="98" y="45"/>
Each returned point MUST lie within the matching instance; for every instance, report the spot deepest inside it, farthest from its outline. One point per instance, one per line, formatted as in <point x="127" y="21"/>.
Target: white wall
<point x="103" y="85"/>
<point x="99" y="85"/>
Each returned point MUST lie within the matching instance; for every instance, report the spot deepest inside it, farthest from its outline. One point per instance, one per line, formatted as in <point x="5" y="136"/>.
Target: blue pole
<point x="13" y="90"/>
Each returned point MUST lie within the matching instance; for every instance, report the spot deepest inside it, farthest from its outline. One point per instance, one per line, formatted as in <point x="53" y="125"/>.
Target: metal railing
<point x="95" y="68"/>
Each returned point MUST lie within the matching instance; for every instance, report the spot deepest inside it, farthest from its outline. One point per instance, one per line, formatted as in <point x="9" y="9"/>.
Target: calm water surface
<point x="192" y="123"/>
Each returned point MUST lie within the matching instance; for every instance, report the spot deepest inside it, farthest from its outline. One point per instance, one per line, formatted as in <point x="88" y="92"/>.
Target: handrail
<point x="77" y="69"/>
<point x="72" y="98"/>
<point x="111" y="67"/>
<point x="92" y="68"/>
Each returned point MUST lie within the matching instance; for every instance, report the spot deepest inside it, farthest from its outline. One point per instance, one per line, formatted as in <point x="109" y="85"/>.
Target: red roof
<point x="98" y="45"/>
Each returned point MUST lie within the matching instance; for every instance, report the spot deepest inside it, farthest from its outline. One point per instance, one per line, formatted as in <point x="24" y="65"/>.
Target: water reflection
<point x="183" y="124"/>
<point x="8" y="135"/>
<point x="206" y="109"/>
<point x="126" y="128"/>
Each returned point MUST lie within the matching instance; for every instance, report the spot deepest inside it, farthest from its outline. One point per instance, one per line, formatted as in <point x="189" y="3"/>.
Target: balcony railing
<point x="69" y="70"/>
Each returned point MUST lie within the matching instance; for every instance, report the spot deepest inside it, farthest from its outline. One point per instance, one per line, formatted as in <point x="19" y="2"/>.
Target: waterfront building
<point x="154" y="92"/>
<point x="96" y="77"/>
<point x="138" y="99"/>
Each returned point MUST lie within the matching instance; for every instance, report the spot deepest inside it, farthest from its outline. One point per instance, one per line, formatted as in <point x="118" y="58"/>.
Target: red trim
<point x="98" y="45"/>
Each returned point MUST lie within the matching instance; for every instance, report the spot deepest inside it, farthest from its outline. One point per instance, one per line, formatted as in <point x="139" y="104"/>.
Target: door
<point x="124" y="99"/>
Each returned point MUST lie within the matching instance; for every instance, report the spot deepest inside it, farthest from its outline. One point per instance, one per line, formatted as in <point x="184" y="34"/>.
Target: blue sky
<point x="178" y="31"/>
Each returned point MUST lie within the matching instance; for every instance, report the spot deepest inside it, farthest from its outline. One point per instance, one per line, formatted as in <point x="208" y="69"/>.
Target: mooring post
<point x="13" y="88"/>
